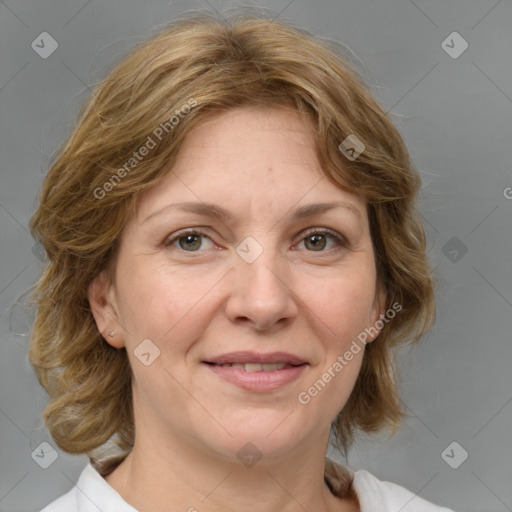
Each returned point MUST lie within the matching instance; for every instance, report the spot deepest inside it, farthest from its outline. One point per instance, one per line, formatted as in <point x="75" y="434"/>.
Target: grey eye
<point x="190" y="242"/>
<point x="315" y="242"/>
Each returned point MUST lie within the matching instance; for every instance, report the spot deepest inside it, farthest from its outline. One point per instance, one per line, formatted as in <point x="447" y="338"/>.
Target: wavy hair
<point x="218" y="65"/>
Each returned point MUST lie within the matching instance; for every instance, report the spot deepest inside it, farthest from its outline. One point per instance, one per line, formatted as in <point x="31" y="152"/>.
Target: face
<point x="244" y="255"/>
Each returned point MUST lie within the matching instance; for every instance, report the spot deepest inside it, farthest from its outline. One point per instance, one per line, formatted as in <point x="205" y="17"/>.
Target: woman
<point x="234" y="254"/>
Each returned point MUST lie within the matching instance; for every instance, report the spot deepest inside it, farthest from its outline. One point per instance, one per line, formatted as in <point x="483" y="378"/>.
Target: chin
<point x="258" y="434"/>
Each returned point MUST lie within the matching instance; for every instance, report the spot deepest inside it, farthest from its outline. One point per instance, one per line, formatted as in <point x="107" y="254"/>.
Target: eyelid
<point x="173" y="237"/>
<point x="324" y="231"/>
<point x="201" y="231"/>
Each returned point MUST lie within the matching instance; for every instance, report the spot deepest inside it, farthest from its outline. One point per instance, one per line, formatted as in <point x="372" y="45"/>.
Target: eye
<point x="190" y="241"/>
<point x="317" y="240"/>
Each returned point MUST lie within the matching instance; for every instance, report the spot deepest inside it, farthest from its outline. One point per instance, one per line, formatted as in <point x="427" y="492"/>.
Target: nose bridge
<point x="260" y="292"/>
<point x="260" y="274"/>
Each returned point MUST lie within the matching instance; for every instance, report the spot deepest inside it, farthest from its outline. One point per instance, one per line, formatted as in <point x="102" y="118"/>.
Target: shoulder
<point x="90" y="494"/>
<point x="372" y="493"/>
<point x="375" y="494"/>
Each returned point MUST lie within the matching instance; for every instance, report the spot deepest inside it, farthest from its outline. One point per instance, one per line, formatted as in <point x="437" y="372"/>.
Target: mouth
<point x="255" y="358"/>
<point x="257" y="372"/>
<point x="256" y="367"/>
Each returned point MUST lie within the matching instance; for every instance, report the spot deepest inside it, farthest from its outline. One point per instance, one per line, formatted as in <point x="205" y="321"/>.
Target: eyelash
<point x="329" y="233"/>
<point x="340" y="240"/>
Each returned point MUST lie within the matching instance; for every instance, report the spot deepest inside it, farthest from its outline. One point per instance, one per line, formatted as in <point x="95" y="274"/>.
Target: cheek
<point x="151" y="297"/>
<point x="169" y="309"/>
<point x="343" y="305"/>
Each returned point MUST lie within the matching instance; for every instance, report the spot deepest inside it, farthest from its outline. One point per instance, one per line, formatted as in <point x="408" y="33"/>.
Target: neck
<point x="180" y="476"/>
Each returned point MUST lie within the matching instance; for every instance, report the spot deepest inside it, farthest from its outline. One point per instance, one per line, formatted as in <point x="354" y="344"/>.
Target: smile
<point x="256" y="377"/>
<point x="256" y="367"/>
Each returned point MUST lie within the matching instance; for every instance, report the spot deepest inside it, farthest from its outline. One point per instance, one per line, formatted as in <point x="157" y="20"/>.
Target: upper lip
<point x="255" y="357"/>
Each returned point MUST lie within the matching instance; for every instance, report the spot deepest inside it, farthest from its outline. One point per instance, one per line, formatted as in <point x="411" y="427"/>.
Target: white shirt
<point x="92" y="493"/>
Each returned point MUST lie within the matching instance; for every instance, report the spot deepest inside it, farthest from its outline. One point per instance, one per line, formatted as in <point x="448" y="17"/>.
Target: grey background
<point x="456" y="117"/>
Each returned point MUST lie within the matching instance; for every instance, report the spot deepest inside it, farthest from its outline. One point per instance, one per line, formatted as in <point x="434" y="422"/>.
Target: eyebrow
<point x="218" y="212"/>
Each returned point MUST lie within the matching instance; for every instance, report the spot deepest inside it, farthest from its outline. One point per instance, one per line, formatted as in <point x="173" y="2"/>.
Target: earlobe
<point x="101" y="297"/>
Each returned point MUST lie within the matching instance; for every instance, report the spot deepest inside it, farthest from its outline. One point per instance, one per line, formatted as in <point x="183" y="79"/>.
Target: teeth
<point x="273" y="367"/>
<point x="256" y="367"/>
<point x="253" y="367"/>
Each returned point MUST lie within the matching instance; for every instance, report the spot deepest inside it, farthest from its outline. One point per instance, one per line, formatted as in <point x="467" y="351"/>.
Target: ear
<point x="378" y="309"/>
<point x="102" y="301"/>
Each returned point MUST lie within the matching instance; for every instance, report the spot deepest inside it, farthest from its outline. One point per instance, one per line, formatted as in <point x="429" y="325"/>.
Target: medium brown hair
<point x="86" y="200"/>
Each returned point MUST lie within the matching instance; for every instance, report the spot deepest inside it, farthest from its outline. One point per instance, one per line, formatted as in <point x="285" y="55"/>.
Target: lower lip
<point x="258" y="381"/>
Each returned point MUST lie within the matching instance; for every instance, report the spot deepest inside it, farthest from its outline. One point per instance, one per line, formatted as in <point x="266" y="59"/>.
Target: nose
<point x="261" y="294"/>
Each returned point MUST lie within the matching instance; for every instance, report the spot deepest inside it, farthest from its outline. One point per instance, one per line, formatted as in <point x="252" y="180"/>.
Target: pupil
<point x="317" y="241"/>
<point x="191" y="242"/>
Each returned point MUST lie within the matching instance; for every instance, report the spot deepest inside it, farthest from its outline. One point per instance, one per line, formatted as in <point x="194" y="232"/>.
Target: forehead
<point x="258" y="157"/>
<point x="248" y="141"/>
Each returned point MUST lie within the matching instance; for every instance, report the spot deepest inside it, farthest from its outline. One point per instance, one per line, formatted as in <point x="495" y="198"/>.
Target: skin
<point x="298" y="297"/>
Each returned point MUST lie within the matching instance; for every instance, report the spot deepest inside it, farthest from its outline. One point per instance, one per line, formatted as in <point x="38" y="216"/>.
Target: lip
<point x="258" y="381"/>
<point x="263" y="381"/>
<point x="255" y="357"/>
